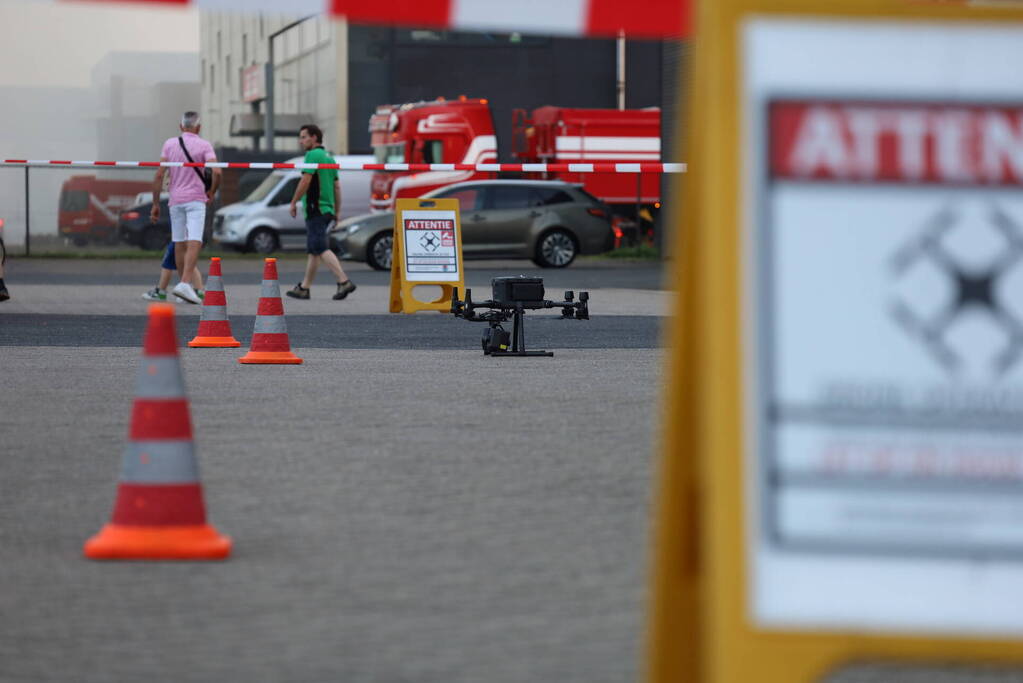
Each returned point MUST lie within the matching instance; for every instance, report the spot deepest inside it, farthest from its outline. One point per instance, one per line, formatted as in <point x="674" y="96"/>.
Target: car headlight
<point x="352" y="229"/>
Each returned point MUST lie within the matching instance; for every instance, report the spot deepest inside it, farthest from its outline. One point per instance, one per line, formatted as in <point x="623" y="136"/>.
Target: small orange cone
<point x="214" y="327"/>
<point x="159" y="513"/>
<point x="270" y="343"/>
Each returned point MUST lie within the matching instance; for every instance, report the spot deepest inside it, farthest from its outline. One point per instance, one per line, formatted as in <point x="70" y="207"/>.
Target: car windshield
<point x="389" y="154"/>
<point x="263" y="189"/>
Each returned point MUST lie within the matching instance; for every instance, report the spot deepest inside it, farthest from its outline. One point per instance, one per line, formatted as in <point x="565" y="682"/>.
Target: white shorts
<point x="187" y="221"/>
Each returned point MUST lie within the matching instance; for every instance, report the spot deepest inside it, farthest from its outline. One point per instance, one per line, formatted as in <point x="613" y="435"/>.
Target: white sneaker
<point x="183" y="290"/>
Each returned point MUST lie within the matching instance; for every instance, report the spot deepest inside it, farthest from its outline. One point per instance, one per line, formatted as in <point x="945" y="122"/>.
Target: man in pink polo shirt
<point x="189" y="195"/>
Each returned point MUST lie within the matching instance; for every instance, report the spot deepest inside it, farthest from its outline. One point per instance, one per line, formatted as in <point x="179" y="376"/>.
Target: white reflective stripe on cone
<point x="159" y="462"/>
<point x="270" y="324"/>
<point x="214" y="313"/>
<point x="159" y="377"/>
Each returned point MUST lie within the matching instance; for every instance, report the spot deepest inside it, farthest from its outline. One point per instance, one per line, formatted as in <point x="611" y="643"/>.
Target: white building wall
<point x="140" y="97"/>
<point x="42" y="123"/>
<point x="306" y="67"/>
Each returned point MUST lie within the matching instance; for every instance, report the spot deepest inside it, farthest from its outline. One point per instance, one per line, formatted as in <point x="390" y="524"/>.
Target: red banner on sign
<point x="902" y="142"/>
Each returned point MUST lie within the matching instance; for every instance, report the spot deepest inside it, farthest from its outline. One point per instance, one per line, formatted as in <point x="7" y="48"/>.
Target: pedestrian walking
<point x="191" y="189"/>
<point x="167" y="269"/>
<point x="320" y="194"/>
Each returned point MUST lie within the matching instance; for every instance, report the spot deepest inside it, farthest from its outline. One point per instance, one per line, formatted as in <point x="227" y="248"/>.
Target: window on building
<point x="202" y="73"/>
<point x="227" y="71"/>
<point x="261" y="30"/>
<point x="213" y="77"/>
<point x="306" y="35"/>
<point x="245" y="48"/>
<point x="220" y="52"/>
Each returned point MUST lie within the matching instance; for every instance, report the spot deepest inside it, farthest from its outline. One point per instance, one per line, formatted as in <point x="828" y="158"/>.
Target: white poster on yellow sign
<point x="429" y="246"/>
<point x="884" y="291"/>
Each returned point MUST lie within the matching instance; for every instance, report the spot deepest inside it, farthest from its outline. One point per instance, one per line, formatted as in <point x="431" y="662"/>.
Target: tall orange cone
<point x="159" y="512"/>
<point x="214" y="327"/>
<point x="270" y="344"/>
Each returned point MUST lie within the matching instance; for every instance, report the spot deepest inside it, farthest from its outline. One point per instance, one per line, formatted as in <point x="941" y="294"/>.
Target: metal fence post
<point x="27" y="234"/>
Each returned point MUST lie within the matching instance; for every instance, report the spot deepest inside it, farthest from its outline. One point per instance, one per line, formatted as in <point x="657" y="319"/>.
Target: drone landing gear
<point x="496" y="339"/>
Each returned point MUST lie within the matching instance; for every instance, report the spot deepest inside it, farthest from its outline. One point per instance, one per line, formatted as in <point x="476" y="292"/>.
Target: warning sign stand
<point x="427" y="251"/>
<point x="840" y="485"/>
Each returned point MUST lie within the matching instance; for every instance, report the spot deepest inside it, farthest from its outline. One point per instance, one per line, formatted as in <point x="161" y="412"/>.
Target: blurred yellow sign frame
<point x="700" y="629"/>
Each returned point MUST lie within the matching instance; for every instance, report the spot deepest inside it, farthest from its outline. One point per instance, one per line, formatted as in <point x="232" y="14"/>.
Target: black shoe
<point x="344" y="289"/>
<point x="4" y="296"/>
<point x="299" y="292"/>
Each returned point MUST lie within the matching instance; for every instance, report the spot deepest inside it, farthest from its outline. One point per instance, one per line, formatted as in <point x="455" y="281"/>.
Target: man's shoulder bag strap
<point x="202" y="176"/>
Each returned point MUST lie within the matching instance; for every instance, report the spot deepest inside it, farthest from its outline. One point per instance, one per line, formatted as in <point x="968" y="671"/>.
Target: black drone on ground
<point x="513" y="296"/>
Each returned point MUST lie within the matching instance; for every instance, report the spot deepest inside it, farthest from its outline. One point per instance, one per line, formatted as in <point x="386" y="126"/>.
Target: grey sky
<point x="57" y="44"/>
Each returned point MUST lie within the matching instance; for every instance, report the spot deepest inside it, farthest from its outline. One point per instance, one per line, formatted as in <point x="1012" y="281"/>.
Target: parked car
<point x="143" y="197"/>
<point x="550" y="222"/>
<point x="134" y="227"/>
<point x="262" y="223"/>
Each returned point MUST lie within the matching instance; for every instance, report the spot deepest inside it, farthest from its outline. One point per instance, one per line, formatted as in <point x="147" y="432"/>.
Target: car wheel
<point x="379" y="250"/>
<point x="555" y="249"/>
<point x="154" y="239"/>
<point x="263" y="241"/>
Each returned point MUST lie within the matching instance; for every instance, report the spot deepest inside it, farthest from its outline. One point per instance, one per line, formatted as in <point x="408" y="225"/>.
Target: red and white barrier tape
<point x="641" y="167"/>
<point x="649" y="18"/>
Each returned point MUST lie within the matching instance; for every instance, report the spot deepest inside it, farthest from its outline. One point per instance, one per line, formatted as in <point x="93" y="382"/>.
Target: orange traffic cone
<point x="159" y="512"/>
<point x="214" y="327"/>
<point x="270" y="344"/>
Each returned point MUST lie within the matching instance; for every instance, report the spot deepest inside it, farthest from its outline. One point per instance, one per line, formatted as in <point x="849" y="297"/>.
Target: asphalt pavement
<point x="403" y="508"/>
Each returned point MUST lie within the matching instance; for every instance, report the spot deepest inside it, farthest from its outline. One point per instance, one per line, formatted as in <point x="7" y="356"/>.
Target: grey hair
<point x="190" y="119"/>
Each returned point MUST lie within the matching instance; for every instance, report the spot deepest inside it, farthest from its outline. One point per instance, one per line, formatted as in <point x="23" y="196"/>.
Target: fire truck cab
<point x="437" y="132"/>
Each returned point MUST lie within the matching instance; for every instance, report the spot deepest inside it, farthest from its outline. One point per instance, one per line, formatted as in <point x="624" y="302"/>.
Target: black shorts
<point x="316" y="233"/>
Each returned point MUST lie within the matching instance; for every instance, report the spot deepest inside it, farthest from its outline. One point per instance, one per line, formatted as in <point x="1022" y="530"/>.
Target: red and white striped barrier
<point x="642" y="167"/>
<point x="648" y="18"/>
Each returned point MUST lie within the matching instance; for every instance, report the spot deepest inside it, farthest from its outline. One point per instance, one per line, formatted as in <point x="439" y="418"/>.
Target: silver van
<point x="262" y="223"/>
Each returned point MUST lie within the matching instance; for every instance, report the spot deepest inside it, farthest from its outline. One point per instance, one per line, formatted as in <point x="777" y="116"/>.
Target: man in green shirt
<point x="320" y="193"/>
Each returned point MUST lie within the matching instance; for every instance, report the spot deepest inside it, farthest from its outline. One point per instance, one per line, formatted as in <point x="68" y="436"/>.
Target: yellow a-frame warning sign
<point x="427" y="250"/>
<point x="842" y="483"/>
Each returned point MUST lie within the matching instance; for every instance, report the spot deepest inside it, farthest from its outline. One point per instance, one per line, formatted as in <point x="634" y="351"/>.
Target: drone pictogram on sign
<point x="974" y="289"/>
<point x="429" y="241"/>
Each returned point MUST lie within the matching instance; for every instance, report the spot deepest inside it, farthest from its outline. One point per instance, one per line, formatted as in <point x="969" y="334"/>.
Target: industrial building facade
<point x="336" y="74"/>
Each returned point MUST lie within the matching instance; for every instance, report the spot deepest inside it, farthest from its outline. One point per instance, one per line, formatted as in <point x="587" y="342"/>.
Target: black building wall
<point x="400" y="65"/>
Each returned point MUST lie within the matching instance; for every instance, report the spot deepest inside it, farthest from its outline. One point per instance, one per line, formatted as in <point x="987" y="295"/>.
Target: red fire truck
<point x="462" y="132"/>
<point x="439" y="132"/>
<point x="90" y="206"/>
